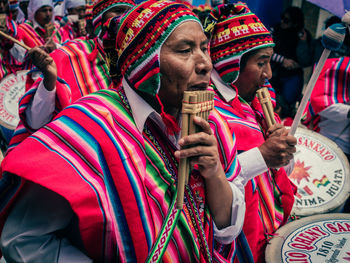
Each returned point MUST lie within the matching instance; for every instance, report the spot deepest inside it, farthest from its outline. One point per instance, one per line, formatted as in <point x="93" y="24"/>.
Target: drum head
<point x="321" y="173"/>
<point x="12" y="88"/>
<point x="320" y="238"/>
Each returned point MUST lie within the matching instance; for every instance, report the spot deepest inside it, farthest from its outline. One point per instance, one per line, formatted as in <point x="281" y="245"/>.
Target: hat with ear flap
<point x="102" y="6"/>
<point x="234" y="31"/>
<point x="141" y="34"/>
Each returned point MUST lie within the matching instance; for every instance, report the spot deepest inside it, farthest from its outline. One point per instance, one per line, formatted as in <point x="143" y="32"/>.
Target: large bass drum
<point x="321" y="173"/>
<point x="313" y="239"/>
<point x="12" y="88"/>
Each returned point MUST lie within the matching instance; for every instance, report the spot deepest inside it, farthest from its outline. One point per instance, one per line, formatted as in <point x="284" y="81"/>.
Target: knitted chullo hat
<point x="234" y="30"/>
<point x="102" y="6"/>
<point x="13" y="4"/>
<point x="141" y="34"/>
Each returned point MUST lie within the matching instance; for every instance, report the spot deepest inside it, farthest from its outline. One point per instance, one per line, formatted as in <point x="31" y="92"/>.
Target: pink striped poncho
<point x="332" y="86"/>
<point x="81" y="70"/>
<point x="8" y="64"/>
<point x="35" y="37"/>
<point x="119" y="182"/>
<point x="269" y="197"/>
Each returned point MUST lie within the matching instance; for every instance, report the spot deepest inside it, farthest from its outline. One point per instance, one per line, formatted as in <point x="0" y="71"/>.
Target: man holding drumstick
<point x="241" y="49"/>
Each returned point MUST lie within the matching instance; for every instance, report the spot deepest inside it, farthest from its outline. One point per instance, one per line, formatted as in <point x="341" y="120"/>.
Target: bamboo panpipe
<point x="265" y="101"/>
<point x="3" y="21"/>
<point x="49" y="28"/>
<point x="195" y="103"/>
<point x="82" y="27"/>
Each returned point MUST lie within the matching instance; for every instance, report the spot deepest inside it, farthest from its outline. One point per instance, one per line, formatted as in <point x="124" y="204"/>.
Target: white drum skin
<point x="321" y="173"/>
<point x="313" y="239"/>
<point x="12" y="88"/>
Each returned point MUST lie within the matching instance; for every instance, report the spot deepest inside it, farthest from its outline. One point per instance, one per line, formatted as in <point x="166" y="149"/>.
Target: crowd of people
<point x="90" y="173"/>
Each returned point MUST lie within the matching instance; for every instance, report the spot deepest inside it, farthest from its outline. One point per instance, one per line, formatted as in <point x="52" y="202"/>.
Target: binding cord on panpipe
<point x="195" y="103"/>
<point x="49" y="28"/>
<point x="265" y="101"/>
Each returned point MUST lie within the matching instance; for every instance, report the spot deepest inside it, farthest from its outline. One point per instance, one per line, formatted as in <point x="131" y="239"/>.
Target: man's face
<point x="184" y="64"/>
<point x="79" y="10"/>
<point x="254" y="74"/>
<point x="44" y="15"/>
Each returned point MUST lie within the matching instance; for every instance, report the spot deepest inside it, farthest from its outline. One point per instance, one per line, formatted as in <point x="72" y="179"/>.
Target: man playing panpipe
<point x="74" y="70"/>
<point x="74" y="20"/>
<point x="39" y="29"/>
<point x="241" y="49"/>
<point x="99" y="182"/>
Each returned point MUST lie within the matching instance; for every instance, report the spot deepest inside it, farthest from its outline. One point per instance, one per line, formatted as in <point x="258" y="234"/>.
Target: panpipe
<point x="265" y="101"/>
<point x="2" y="21"/>
<point x="82" y="27"/>
<point x="49" y="28"/>
<point x="195" y="103"/>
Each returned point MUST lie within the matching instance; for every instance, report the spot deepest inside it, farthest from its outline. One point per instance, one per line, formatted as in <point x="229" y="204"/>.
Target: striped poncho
<point x="81" y="70"/>
<point x="8" y="64"/>
<point x="269" y="197"/>
<point x="332" y="86"/>
<point x="119" y="182"/>
<point x="35" y="37"/>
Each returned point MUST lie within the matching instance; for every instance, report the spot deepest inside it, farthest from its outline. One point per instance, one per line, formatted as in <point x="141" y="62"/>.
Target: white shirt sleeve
<point x="252" y="164"/>
<point x="40" y="110"/>
<point x="29" y="231"/>
<point x="228" y="234"/>
<point x="18" y="52"/>
<point x="338" y="111"/>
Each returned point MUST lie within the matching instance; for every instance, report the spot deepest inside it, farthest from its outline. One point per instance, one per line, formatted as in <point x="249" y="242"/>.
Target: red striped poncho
<point x="81" y="70"/>
<point x="8" y="64"/>
<point x="35" y="37"/>
<point x="119" y="182"/>
<point x="269" y="197"/>
<point x="332" y="86"/>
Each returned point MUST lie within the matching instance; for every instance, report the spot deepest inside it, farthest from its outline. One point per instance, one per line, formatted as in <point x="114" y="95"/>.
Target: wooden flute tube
<point x="265" y="101"/>
<point x="195" y="103"/>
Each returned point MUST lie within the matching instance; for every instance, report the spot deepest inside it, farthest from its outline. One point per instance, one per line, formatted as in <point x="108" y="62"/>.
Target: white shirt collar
<point x="228" y="93"/>
<point x="140" y="109"/>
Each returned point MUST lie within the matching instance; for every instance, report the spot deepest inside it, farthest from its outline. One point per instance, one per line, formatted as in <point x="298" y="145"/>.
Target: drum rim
<point x="344" y="194"/>
<point x="276" y="243"/>
<point x="18" y="73"/>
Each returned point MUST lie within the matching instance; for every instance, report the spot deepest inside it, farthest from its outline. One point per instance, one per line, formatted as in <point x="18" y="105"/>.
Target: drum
<point x="321" y="173"/>
<point x="12" y="88"/>
<point x="319" y="238"/>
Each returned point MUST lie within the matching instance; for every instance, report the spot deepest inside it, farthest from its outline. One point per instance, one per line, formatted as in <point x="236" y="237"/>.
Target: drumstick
<point x="265" y="101"/>
<point x="332" y="40"/>
<point x="14" y="40"/>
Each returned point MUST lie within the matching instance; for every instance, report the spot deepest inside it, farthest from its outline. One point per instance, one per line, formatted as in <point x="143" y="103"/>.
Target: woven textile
<point x="81" y="70"/>
<point x="102" y="6"/>
<point x="332" y="86"/>
<point x="119" y="182"/>
<point x="234" y="30"/>
<point x="35" y="37"/>
<point x="269" y="196"/>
